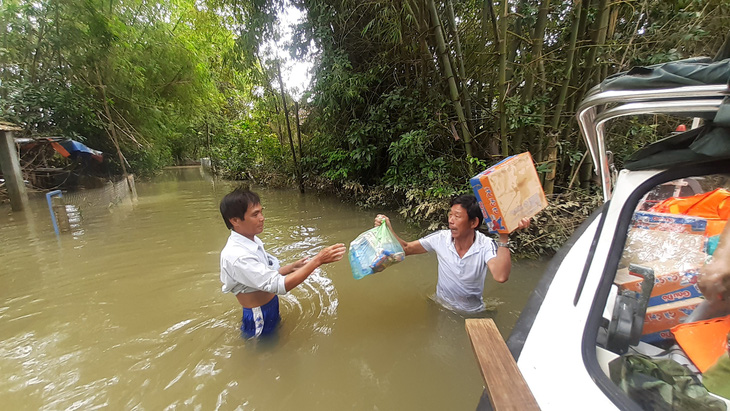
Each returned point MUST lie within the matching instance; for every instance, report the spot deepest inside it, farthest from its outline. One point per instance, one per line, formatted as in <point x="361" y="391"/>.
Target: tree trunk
<point x="574" y="94"/>
<point x="538" y="39"/>
<point x="420" y="18"/>
<point x="516" y="40"/>
<point x="34" y="64"/>
<point x="299" y="131"/>
<point x="112" y="129"/>
<point x="569" y="59"/>
<point x="503" y="77"/>
<point x="278" y="126"/>
<point x="540" y="114"/>
<point x="610" y="31"/>
<point x="3" y="69"/>
<point x="58" y="37"/>
<point x="590" y="74"/>
<point x="485" y="76"/>
<point x="446" y="65"/>
<point x="488" y="15"/>
<point x="462" y="70"/>
<point x="288" y="129"/>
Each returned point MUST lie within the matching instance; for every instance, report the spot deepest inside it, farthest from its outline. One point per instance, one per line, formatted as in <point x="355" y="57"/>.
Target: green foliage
<point x="241" y="150"/>
<point x="149" y="71"/>
<point x="552" y="227"/>
<point x="522" y="114"/>
<point x="178" y="80"/>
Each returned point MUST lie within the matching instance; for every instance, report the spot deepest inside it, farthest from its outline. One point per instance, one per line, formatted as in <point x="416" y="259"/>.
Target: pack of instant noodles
<point x="374" y="251"/>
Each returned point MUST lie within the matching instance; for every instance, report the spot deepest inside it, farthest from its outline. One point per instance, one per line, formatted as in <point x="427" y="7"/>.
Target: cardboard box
<point x="658" y="337"/>
<point x="509" y="191"/>
<point x="665" y="316"/>
<point x="673" y="280"/>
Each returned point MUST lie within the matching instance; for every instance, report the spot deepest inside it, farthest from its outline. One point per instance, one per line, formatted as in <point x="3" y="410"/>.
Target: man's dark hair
<point x="469" y="202"/>
<point x="235" y="204"/>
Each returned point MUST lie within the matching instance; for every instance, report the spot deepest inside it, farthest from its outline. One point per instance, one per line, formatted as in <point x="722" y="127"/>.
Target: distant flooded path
<point x="126" y="312"/>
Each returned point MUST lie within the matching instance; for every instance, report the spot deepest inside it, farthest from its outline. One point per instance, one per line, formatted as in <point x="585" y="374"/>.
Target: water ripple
<point x="313" y="305"/>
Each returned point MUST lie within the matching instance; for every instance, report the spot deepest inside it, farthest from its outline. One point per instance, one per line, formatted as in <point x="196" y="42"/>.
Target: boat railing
<point x="601" y="106"/>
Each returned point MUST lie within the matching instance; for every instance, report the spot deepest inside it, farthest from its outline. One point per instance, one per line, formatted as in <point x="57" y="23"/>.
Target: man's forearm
<point x="501" y="265"/>
<point x="296" y="277"/>
<point x="402" y="242"/>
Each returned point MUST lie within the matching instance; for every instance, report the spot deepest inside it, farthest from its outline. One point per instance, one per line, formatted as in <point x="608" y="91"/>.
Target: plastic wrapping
<point x="374" y="251"/>
<point x="673" y="247"/>
<point x="664" y="237"/>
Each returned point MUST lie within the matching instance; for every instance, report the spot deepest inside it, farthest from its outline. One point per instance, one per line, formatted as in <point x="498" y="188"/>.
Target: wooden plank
<point x="10" y="166"/>
<point x="506" y="387"/>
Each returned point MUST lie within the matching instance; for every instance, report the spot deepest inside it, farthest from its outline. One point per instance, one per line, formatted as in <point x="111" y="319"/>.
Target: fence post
<point x="11" y="168"/>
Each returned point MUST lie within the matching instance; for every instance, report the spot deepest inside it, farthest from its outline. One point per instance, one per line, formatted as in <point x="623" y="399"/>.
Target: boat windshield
<point x="662" y="343"/>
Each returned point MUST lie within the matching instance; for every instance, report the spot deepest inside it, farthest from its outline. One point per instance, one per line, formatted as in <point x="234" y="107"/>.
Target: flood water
<point x="126" y="312"/>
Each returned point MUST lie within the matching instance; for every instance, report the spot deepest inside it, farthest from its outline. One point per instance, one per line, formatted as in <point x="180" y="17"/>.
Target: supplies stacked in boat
<point x="673" y="246"/>
<point x="714" y="206"/>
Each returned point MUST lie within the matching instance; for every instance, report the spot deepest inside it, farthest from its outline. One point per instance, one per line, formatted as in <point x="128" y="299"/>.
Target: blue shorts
<point x="262" y="320"/>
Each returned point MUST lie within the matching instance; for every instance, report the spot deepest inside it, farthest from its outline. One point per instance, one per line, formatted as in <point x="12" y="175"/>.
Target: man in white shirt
<point x="464" y="255"/>
<point x="254" y="276"/>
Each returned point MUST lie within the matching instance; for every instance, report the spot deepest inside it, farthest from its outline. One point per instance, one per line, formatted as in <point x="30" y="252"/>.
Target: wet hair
<point x="235" y="204"/>
<point x="469" y="202"/>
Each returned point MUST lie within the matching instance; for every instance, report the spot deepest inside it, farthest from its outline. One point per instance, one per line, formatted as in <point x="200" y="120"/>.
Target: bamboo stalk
<point x="446" y="65"/>
<point x="288" y="129"/>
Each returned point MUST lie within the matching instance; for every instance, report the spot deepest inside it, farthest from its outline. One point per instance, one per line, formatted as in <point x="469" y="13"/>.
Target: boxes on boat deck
<point x="665" y="316"/>
<point x="674" y="280"/>
<point x="509" y="191"/>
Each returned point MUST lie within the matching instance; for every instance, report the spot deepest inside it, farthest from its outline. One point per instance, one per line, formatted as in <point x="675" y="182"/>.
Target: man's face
<point x="252" y="223"/>
<point x="459" y="223"/>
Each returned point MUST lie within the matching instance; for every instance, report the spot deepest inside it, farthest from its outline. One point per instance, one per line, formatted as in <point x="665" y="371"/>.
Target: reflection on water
<point x="126" y="311"/>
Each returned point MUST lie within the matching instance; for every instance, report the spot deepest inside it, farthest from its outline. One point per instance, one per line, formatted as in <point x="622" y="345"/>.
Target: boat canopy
<point x="691" y="88"/>
<point x="698" y="71"/>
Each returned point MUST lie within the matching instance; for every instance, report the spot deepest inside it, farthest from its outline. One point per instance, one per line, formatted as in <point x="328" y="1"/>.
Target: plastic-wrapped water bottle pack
<point x="374" y="251"/>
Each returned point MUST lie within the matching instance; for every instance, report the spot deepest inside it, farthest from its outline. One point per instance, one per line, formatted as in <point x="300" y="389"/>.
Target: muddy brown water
<point x="125" y="311"/>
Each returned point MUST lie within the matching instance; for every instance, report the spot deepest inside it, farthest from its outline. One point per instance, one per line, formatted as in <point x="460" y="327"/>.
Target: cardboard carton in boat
<point x="658" y="337"/>
<point x="674" y="280"/>
<point x="665" y="316"/>
<point x="509" y="191"/>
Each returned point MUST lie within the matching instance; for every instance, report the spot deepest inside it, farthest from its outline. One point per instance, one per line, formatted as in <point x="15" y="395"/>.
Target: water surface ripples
<point x="126" y="312"/>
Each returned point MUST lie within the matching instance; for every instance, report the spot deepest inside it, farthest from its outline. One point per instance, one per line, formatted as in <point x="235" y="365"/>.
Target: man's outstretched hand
<point x="332" y="253"/>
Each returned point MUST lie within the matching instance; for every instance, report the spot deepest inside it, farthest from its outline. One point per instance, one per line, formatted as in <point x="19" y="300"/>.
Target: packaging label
<point x="657" y="337"/>
<point x="685" y="293"/>
<point x="665" y="316"/>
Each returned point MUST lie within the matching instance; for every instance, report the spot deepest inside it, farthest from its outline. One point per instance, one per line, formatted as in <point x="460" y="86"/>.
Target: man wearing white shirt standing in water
<point x="464" y="255"/>
<point x="254" y="276"/>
